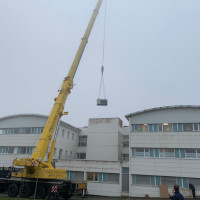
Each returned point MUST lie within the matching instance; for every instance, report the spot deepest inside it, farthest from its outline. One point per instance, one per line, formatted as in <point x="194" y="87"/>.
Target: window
<point x="108" y="177"/>
<point x="141" y="152"/>
<point x="72" y="136"/>
<point x="187" y="127"/>
<point x="125" y="137"/>
<point x="24" y="150"/>
<point x="125" y="157"/>
<point x="54" y="153"/>
<point x="82" y="141"/>
<point x="167" y="180"/>
<point x="126" y="144"/>
<point x="198" y="153"/>
<point x="194" y="181"/>
<point x="190" y="153"/>
<point x="140" y="127"/>
<point x="92" y="176"/>
<point x="66" y="154"/>
<point x="195" y="127"/>
<point x="3" y="150"/>
<point x="60" y="154"/>
<point x="81" y="155"/>
<point x="76" y="176"/>
<point x="63" y="133"/>
<point x="11" y="149"/>
<point x="167" y="127"/>
<point x="142" y="180"/>
<point x="166" y="153"/>
<point x="68" y="134"/>
<point x="180" y="127"/>
<point x="160" y="127"/>
<point x="153" y="127"/>
<point x="31" y="130"/>
<point x="70" y="154"/>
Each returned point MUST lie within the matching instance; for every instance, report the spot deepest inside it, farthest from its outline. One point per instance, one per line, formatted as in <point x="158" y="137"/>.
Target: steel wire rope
<point x="103" y="55"/>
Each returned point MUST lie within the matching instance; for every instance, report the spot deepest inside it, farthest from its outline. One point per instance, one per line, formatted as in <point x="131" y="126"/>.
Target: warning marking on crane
<point x="32" y="163"/>
<point x="54" y="188"/>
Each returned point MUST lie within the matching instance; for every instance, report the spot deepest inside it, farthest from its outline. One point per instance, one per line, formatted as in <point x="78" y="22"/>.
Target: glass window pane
<point x="167" y="127"/>
<point x="175" y="127"/>
<point x="187" y="127"/>
<point x="167" y="180"/>
<point x="142" y="180"/>
<point x="160" y="127"/>
<point x="190" y="153"/>
<point x="138" y="128"/>
<point x="139" y="152"/>
<point x="112" y="178"/>
<point x="10" y="149"/>
<point x="196" y="127"/>
<point x="180" y="127"/>
<point x="169" y="153"/>
<point x="162" y="153"/>
<point x="147" y="154"/>
<point x="150" y="128"/>
<point x="155" y="127"/>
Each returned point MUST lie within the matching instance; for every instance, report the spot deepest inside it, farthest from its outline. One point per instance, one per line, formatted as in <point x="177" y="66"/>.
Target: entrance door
<point x="125" y="179"/>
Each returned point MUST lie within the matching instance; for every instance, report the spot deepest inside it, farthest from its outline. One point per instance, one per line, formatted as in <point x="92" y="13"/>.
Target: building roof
<point x="42" y="116"/>
<point x="160" y="108"/>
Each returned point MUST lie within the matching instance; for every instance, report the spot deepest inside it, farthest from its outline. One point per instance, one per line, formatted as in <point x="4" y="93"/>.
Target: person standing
<point x="191" y="186"/>
<point x="177" y="195"/>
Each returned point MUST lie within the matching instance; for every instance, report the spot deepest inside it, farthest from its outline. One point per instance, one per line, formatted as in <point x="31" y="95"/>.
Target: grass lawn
<point x="8" y="198"/>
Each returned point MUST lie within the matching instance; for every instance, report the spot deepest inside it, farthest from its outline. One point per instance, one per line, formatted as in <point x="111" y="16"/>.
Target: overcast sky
<point x="152" y="56"/>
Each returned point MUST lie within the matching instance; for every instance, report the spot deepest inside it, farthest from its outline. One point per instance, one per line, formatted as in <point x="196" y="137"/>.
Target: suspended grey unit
<point x="102" y="102"/>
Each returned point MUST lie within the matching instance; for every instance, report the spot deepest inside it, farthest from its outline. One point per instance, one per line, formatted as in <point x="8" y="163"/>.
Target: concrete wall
<point x="103" y="139"/>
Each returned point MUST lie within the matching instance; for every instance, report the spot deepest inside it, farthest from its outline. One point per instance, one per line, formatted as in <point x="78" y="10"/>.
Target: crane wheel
<point x="13" y="190"/>
<point x="25" y="192"/>
<point x="50" y="195"/>
<point x="41" y="193"/>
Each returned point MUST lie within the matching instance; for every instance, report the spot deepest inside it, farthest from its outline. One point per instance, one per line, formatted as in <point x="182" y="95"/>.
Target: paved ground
<point x="103" y="198"/>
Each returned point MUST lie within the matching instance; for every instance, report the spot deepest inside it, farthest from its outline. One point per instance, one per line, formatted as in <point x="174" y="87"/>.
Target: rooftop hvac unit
<point x="102" y="102"/>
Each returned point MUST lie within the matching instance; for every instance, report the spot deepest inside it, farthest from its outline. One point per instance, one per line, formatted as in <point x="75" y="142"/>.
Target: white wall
<point x="103" y="139"/>
<point x="104" y="189"/>
<point x="142" y="190"/>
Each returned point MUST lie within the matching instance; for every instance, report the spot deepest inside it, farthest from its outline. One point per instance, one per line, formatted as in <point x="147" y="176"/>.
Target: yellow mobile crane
<point x="35" y="168"/>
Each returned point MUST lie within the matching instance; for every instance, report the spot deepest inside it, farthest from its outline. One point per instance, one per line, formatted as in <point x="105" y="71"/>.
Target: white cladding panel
<point x="89" y="166"/>
<point x="165" y="139"/>
<point x="19" y="121"/>
<point x="103" y="139"/>
<point x="169" y="115"/>
<point x="165" y="167"/>
<point x="104" y="189"/>
<point x="142" y="190"/>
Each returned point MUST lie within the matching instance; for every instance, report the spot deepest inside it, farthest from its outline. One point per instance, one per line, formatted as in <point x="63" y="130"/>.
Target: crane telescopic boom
<point x="47" y="170"/>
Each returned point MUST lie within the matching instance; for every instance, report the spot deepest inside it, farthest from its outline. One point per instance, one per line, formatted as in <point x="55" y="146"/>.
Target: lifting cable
<point x="100" y="101"/>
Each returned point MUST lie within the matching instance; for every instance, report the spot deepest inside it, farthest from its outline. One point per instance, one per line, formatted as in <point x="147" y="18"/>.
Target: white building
<point x="164" y="149"/>
<point x="19" y="135"/>
<point x="160" y="147"/>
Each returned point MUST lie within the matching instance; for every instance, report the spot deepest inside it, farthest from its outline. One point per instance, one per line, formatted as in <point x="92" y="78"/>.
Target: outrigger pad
<point x="102" y="102"/>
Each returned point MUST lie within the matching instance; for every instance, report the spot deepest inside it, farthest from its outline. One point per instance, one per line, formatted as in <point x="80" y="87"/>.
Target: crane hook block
<point x="102" y="102"/>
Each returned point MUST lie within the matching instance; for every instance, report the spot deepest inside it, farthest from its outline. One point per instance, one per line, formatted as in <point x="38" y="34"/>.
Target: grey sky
<point x="152" y="56"/>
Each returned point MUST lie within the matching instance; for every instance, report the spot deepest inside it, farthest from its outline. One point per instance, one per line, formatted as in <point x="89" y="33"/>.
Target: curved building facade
<point x="19" y="135"/>
<point x="164" y="149"/>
